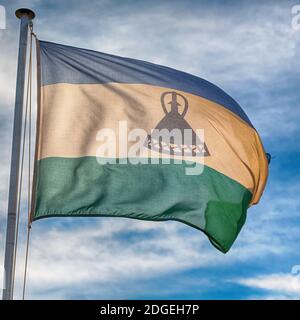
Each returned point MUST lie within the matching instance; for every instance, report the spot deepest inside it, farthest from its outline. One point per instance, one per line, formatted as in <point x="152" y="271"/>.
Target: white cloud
<point x="277" y="286"/>
<point x="99" y="254"/>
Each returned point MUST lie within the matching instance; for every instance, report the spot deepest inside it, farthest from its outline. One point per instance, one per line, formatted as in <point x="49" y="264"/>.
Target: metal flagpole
<point x="25" y="15"/>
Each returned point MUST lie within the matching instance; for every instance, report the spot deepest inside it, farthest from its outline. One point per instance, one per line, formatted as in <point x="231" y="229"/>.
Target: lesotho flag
<point x="127" y="138"/>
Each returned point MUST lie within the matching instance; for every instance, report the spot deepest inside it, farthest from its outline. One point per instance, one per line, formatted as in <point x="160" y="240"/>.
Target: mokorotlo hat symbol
<point x="173" y="135"/>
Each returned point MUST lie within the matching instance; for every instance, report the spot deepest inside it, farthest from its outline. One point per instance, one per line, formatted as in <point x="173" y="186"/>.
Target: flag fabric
<point x="99" y="150"/>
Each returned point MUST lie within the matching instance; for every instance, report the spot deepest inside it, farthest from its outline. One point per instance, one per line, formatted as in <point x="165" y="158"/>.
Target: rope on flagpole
<point x="29" y="161"/>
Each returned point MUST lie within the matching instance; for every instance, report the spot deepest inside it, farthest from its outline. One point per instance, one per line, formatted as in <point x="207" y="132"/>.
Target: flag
<point x="121" y="137"/>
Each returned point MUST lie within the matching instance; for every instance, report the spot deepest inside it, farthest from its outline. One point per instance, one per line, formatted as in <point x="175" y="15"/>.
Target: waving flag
<point x="101" y="151"/>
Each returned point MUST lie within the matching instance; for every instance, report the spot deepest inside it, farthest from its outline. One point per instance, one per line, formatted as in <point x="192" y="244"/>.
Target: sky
<point x="248" y="48"/>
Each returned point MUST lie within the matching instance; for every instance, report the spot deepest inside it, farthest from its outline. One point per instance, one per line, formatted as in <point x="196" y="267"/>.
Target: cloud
<point x="276" y="286"/>
<point x="110" y="251"/>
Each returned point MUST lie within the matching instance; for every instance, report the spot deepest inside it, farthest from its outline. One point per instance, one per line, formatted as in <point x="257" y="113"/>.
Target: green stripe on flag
<point x="211" y="202"/>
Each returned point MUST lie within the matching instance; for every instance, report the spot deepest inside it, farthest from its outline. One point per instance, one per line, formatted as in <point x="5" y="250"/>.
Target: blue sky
<point x="251" y="51"/>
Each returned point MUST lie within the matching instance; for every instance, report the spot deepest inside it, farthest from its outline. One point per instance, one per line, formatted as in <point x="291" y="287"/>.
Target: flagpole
<point x="25" y="15"/>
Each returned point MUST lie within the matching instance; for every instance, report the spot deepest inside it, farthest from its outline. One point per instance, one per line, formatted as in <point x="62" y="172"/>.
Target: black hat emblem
<point x="185" y="142"/>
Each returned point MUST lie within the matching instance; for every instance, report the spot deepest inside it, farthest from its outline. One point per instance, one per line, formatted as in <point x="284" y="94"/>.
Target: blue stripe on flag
<point x="65" y="64"/>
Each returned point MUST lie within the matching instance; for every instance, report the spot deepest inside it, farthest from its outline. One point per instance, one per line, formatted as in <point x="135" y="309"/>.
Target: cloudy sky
<point x="251" y="51"/>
